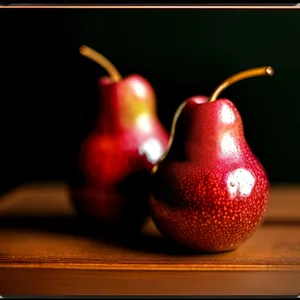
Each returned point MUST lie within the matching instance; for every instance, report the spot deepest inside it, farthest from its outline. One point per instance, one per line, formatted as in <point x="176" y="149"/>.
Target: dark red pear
<point x="116" y="158"/>
<point x="209" y="191"/>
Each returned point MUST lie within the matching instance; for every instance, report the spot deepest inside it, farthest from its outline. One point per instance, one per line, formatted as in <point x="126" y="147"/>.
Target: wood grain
<point x="59" y="245"/>
<point x="52" y="199"/>
<point x="114" y="283"/>
<point x="45" y="250"/>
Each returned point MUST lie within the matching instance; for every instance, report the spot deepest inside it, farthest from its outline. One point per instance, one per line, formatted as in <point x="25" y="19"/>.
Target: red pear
<point x="209" y="191"/>
<point x="117" y="157"/>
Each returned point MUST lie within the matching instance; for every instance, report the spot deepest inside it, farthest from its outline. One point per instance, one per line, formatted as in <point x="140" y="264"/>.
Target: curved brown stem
<point x="102" y="61"/>
<point x="267" y="71"/>
<point x="172" y="133"/>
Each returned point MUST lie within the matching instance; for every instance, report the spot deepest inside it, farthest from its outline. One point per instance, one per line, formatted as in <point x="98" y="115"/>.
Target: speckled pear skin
<point x="210" y="192"/>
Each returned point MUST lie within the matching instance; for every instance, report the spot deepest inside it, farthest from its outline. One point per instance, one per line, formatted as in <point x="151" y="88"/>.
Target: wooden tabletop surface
<point x="45" y="251"/>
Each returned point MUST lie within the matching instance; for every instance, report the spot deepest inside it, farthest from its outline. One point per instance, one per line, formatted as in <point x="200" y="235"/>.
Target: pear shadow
<point x="146" y="240"/>
<point x="149" y="241"/>
<point x="132" y="235"/>
<point x="281" y="222"/>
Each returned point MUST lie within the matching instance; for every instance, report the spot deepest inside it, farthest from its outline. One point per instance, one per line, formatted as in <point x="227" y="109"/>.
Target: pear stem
<point x="267" y="71"/>
<point x="102" y="61"/>
<point x="172" y="133"/>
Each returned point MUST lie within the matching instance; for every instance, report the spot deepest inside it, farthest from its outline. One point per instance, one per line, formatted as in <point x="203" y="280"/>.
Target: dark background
<point x="49" y="93"/>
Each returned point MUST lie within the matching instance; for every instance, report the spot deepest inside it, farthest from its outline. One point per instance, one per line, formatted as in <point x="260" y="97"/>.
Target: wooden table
<point x="44" y="251"/>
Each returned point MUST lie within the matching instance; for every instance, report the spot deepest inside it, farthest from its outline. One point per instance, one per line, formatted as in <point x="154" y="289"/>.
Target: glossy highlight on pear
<point x="209" y="191"/>
<point x="116" y="158"/>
